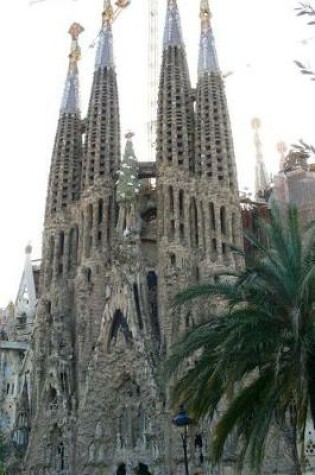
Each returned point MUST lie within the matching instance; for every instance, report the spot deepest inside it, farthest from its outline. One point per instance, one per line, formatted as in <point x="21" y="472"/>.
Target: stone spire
<point x="175" y="124"/>
<point x="102" y="146"/>
<point x="214" y="144"/>
<point x="71" y="101"/>
<point x="219" y="216"/>
<point x="208" y="61"/>
<point x="261" y="178"/>
<point x="65" y="171"/>
<point x="104" y="55"/>
<point x="175" y="169"/>
<point x="26" y="297"/>
<point x="173" y="31"/>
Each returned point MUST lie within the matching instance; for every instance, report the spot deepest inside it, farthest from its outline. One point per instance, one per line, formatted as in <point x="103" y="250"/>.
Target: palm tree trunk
<point x="291" y="438"/>
<point x="295" y="458"/>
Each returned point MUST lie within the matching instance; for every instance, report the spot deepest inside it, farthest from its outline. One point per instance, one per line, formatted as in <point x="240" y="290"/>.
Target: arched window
<point x="137" y="304"/>
<point x="73" y="250"/>
<point x="152" y="281"/>
<point x="119" y="325"/>
<point x="143" y="469"/>
<point x="172" y="259"/>
<point x="61" y="250"/>
<point x="171" y="198"/>
<point x="214" y="249"/>
<point x="100" y="211"/>
<point x="212" y="216"/>
<point x="64" y="382"/>
<point x="109" y="218"/>
<point x="223" y="219"/>
<point x="90" y="216"/>
<point x="161" y="216"/>
<point x="89" y="236"/>
<point x="234" y="231"/>
<point x="52" y="398"/>
<point x="203" y="226"/>
<point x="194" y="234"/>
<point x="121" y="469"/>
<point x="61" y="455"/>
<point x="181" y="203"/>
<point x="50" y="260"/>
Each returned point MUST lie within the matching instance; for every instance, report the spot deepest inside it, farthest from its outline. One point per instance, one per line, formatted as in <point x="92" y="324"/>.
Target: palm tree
<point x="258" y="353"/>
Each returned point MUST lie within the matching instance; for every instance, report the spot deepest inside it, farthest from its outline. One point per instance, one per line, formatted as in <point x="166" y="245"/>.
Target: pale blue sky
<point x="257" y="39"/>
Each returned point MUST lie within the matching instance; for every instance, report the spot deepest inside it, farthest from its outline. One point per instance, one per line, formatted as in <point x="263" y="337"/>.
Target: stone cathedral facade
<point x="121" y="237"/>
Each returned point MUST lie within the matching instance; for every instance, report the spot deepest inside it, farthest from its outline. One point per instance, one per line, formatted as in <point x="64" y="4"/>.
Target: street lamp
<point x="182" y="420"/>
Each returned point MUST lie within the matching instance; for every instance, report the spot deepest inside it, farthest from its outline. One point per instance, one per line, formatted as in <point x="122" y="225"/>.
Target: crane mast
<point x="153" y="26"/>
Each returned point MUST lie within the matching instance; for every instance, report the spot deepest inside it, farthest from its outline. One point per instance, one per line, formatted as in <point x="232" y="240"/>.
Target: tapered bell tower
<point x="101" y="155"/>
<point x="219" y="221"/>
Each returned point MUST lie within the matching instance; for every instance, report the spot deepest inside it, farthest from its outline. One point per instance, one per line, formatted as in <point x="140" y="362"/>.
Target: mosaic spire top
<point x="104" y="54"/>
<point x="173" y="31"/>
<point x="71" y="99"/>
<point x="208" y="61"/>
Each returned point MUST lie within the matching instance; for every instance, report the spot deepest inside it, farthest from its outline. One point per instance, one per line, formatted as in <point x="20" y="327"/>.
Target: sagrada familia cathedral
<point x="121" y="238"/>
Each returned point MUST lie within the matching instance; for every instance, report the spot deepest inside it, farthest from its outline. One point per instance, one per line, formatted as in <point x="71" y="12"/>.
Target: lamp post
<point x="182" y="420"/>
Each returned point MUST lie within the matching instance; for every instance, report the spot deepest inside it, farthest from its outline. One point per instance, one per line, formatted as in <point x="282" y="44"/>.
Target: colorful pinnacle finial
<point x="70" y="102"/>
<point x="104" y="54"/>
<point x="205" y="13"/>
<point x="108" y="12"/>
<point x="173" y="30"/>
<point x="208" y="61"/>
<point x="75" y="31"/>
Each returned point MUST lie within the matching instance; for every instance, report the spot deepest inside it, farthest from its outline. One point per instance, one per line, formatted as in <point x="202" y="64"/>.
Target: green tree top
<point x="128" y="183"/>
<point x="259" y="353"/>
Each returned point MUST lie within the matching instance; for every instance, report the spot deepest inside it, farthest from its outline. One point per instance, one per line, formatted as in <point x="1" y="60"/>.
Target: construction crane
<point x="111" y="13"/>
<point x="120" y="5"/>
<point x="153" y="64"/>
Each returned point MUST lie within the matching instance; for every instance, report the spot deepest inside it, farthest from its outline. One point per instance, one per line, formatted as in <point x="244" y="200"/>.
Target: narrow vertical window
<point x="73" y="250"/>
<point x="223" y="219"/>
<point x="171" y="198"/>
<point x="109" y="218"/>
<point x="137" y="304"/>
<point x="194" y="234"/>
<point x="152" y="281"/>
<point x="212" y="216"/>
<point x="234" y="232"/>
<point x="100" y="211"/>
<point x="181" y="203"/>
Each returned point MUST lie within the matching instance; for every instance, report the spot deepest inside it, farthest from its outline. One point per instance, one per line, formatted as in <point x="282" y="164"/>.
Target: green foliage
<point x="128" y="183"/>
<point x="259" y="352"/>
<point x="306" y="10"/>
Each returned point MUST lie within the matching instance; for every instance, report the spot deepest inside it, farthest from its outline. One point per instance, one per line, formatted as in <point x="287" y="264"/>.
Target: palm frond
<point x="260" y="348"/>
